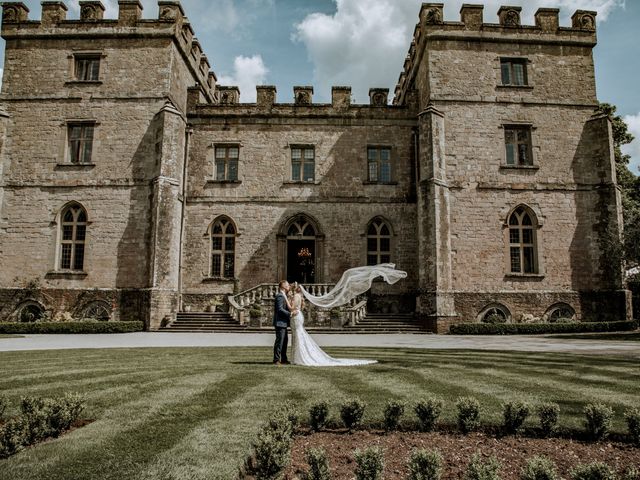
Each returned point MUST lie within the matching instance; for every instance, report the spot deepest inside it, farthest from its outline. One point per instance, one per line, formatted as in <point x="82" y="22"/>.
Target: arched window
<point x="96" y="311"/>
<point x="30" y="312"/>
<point x="560" y="313"/>
<point x="301" y="228"/>
<point x="494" y="313"/>
<point x="522" y="241"/>
<point x="223" y="248"/>
<point x="378" y="242"/>
<point x="72" y="237"/>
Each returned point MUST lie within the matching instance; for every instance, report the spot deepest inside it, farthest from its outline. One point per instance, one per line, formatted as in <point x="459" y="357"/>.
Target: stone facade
<point x="174" y="154"/>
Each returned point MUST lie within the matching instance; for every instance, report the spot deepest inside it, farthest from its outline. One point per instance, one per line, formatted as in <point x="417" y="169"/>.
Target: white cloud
<point x="247" y="73"/>
<point x="365" y="42"/>
<point x="633" y="149"/>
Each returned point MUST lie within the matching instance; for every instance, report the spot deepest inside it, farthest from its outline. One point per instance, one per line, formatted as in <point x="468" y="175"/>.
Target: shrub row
<point x="540" y="328"/>
<point x="39" y="418"/>
<point x="427" y="465"/>
<point x="71" y="327"/>
<point x="598" y="417"/>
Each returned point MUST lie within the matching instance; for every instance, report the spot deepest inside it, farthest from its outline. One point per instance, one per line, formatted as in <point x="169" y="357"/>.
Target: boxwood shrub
<point x="540" y="328"/>
<point x="71" y="327"/>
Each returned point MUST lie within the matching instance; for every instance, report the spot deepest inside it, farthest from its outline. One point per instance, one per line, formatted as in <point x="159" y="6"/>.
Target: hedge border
<point x="71" y="327"/>
<point x="540" y="328"/>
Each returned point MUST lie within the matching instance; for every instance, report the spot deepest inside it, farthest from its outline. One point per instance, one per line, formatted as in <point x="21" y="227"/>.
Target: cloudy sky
<point x="363" y="43"/>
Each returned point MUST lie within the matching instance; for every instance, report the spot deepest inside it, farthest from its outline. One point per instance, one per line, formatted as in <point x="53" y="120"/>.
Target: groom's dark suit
<point x="281" y="320"/>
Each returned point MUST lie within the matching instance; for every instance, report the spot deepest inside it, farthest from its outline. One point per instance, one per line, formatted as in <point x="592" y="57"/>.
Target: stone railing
<point x="239" y="303"/>
<point x="357" y="311"/>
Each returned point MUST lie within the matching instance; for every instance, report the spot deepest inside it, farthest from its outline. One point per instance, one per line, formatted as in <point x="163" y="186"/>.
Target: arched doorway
<point x="301" y="250"/>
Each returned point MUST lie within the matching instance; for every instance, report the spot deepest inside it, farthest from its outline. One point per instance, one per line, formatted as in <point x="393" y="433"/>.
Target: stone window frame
<point x="212" y="180"/>
<point x="303" y="147"/>
<point x="78" y="54"/>
<point x="227" y="161"/>
<point x="381" y="221"/>
<point x="64" y="153"/>
<point x="533" y="145"/>
<point x="58" y="223"/>
<point x="536" y="219"/>
<point x="380" y="147"/>
<point x="223" y="251"/>
<point x="511" y="60"/>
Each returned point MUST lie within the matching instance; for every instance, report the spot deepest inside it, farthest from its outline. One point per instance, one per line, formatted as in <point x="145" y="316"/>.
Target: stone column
<point x="166" y="211"/>
<point x="436" y="303"/>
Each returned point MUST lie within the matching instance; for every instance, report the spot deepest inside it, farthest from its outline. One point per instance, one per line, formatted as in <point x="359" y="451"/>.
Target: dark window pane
<point x="228" y="265"/>
<point x="233" y="170"/>
<point x="527" y="235"/>
<point x="514" y="235"/>
<point x="295" y="171"/>
<point x="67" y="232"/>
<point x="230" y="228"/>
<point x="86" y="154"/>
<point x="293" y="230"/>
<point x="94" y="69"/>
<point x="385" y="258"/>
<point x="372" y="259"/>
<point x="309" y="173"/>
<point x="511" y="154"/>
<point x="372" y="229"/>
<point x="229" y="243"/>
<point x="81" y="231"/>
<point x="384" y="230"/>
<point x="78" y="259"/>
<point x="65" y="257"/>
<point x="385" y="172"/>
<point x="68" y="216"/>
<point x="309" y="231"/>
<point x="82" y="216"/>
<point x="372" y="154"/>
<point x="509" y="136"/>
<point x="515" y="259"/>
<point x="506" y="73"/>
<point x="217" y="228"/>
<point x="373" y="172"/>
<point x="372" y="244"/>
<point x="513" y="220"/>
<point x="385" y="154"/>
<point x="528" y="260"/>
<point x="526" y="219"/>
<point x="75" y="132"/>
<point x="216" y="243"/>
<point x="216" y="264"/>
<point x="385" y="245"/>
<point x="518" y="74"/>
<point x="220" y="164"/>
<point x="523" y="136"/>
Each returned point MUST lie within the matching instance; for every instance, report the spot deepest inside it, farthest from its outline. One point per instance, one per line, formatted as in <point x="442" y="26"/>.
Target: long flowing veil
<point x="354" y="282"/>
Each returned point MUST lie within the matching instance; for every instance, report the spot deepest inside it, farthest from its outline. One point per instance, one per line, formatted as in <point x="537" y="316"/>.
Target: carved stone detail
<point x="168" y="13"/>
<point x="303" y="98"/>
<point x="512" y="19"/>
<point x="229" y="95"/>
<point x="88" y="13"/>
<point x="378" y="97"/>
<point x="587" y="22"/>
<point x="10" y="14"/>
<point x="433" y="16"/>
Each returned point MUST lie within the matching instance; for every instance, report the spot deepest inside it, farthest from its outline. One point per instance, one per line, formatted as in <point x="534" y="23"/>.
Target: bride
<point x="354" y="282"/>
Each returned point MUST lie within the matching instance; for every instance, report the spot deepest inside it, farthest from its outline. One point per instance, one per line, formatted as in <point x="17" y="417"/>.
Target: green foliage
<point x="631" y="473"/>
<point x="425" y="465"/>
<point x="540" y="328"/>
<point x="633" y="424"/>
<point x="392" y="413"/>
<point x="3" y="405"/>
<point x="290" y="410"/>
<point x="428" y="411"/>
<point x="539" y="468"/>
<point x="255" y="312"/>
<point x="351" y="413"/>
<point x="494" y="318"/>
<point x="548" y="414"/>
<point x="481" y="470"/>
<point x="319" y="415"/>
<point x="273" y="446"/>
<point x="593" y="471"/>
<point x="369" y="464"/>
<point x="71" y="327"/>
<point x="35" y="411"/>
<point x="514" y="414"/>
<point x="13" y="436"/>
<point x="598" y="420"/>
<point x="64" y="411"/>
<point x="318" y="464"/>
<point x="468" y="414"/>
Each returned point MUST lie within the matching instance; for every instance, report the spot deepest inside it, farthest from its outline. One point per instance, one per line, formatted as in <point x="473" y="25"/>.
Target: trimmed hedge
<point x="538" y="328"/>
<point x="71" y="327"/>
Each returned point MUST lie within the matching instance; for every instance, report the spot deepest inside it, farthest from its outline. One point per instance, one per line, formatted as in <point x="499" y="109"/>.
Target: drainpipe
<point x="187" y="141"/>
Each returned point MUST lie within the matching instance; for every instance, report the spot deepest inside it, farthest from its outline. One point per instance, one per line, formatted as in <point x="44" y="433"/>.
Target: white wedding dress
<point x="354" y="282"/>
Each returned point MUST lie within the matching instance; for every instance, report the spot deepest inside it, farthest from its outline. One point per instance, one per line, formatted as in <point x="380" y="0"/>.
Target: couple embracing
<point x="288" y="313"/>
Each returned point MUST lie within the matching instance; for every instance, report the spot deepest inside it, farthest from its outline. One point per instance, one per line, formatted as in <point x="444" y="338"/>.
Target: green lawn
<point x="5" y="335"/>
<point x="623" y="336"/>
<point x="178" y="413"/>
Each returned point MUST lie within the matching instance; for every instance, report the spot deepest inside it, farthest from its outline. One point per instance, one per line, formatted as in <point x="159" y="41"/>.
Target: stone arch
<point x="29" y="310"/>
<point x="493" y="312"/>
<point x="560" y="312"/>
<point x="221" y="236"/>
<point x="311" y="234"/>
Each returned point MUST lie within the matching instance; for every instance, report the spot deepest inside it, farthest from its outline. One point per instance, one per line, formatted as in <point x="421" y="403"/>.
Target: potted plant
<point x="213" y="305"/>
<point x="335" y="315"/>
<point x="255" y="316"/>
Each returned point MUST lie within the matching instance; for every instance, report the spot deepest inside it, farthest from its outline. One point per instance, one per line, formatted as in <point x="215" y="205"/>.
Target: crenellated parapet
<point x="471" y="27"/>
<point x="171" y="22"/>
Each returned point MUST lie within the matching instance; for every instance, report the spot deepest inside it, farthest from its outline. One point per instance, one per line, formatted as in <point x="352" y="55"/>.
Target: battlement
<point x="472" y="28"/>
<point x="171" y="22"/>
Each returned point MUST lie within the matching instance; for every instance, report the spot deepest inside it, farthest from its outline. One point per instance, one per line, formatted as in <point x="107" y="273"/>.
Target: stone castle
<point x="132" y="186"/>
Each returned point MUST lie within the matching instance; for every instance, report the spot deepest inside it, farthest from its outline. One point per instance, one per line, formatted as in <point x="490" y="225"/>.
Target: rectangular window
<point x="379" y="164"/>
<point x="303" y="164"/>
<point x="514" y="71"/>
<point x="517" y="141"/>
<point x="87" y="68"/>
<point x="80" y="137"/>
<point x="227" y="162"/>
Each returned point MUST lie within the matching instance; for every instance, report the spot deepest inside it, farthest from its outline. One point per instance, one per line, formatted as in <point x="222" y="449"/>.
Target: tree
<point x="629" y="184"/>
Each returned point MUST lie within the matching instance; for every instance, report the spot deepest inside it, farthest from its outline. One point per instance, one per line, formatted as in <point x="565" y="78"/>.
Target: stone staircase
<point x="386" y="323"/>
<point x="220" y="322"/>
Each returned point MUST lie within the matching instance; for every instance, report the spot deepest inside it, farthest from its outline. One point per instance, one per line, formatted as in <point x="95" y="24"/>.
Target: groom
<point x="281" y="320"/>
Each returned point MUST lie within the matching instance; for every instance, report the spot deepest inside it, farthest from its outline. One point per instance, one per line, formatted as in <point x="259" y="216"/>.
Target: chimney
<point x="340" y="97"/>
<point x="472" y="16"/>
<point x="91" y="10"/>
<point x="129" y="12"/>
